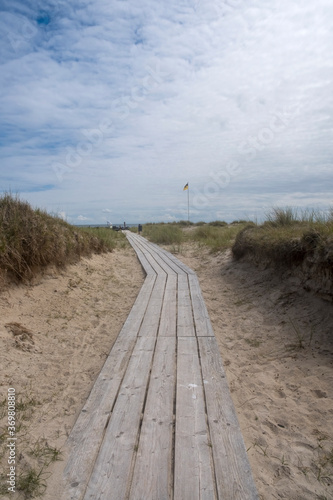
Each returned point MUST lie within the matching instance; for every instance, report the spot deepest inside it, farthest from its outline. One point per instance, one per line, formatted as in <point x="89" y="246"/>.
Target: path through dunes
<point x="160" y="422"/>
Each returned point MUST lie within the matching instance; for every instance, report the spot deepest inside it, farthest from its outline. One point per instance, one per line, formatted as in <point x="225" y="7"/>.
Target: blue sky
<point x="108" y="108"/>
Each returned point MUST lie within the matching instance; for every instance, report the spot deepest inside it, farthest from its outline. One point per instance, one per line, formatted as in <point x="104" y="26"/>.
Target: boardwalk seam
<point x="137" y="441"/>
<point x="173" y="465"/>
<point x="204" y="394"/>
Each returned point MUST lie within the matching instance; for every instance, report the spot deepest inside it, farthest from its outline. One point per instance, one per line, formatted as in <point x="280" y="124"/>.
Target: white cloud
<point x="119" y="104"/>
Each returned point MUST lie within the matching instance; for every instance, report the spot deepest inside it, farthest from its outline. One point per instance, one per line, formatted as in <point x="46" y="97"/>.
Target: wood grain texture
<point x="151" y="320"/>
<point x="153" y="474"/>
<point x="141" y="254"/>
<point x="87" y="434"/>
<point x="159" y="423"/>
<point x="185" y="325"/>
<point x="159" y="257"/>
<point x="194" y="471"/>
<point x="232" y="468"/>
<point x="169" y="309"/>
<point x="202" y="322"/>
<point x="110" y="477"/>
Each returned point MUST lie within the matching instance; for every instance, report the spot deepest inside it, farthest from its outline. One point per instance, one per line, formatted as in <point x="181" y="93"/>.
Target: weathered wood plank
<point x="137" y="462"/>
<point x="153" y="472"/>
<point x="160" y="258"/>
<point x="149" y="327"/>
<point x="141" y="246"/>
<point x="87" y="434"/>
<point x="111" y="474"/>
<point x="182" y="268"/>
<point x="141" y="255"/>
<point x="232" y="468"/>
<point x="169" y="309"/>
<point x="202" y="322"/>
<point x="135" y="317"/>
<point x="194" y="472"/>
<point x="185" y="325"/>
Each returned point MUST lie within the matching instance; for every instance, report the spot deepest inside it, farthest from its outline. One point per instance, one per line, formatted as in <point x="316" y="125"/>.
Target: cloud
<point x="119" y="104"/>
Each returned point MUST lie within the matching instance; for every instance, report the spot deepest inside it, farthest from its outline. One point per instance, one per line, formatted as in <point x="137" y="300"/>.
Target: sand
<point x="276" y="342"/>
<point x="74" y="318"/>
<point x="275" y="339"/>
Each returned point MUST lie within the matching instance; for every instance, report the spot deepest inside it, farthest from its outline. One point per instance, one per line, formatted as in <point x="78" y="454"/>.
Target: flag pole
<point x="187" y="188"/>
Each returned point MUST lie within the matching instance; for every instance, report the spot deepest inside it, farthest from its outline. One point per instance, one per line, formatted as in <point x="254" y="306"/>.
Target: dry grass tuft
<point x="31" y="239"/>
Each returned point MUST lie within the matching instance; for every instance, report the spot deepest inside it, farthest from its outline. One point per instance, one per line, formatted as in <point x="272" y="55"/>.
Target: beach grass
<point x="287" y="237"/>
<point x="164" y="234"/>
<point x="31" y="239"/>
<point x="216" y="235"/>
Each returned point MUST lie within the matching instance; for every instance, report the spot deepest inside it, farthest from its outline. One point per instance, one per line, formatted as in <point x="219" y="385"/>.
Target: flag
<point x="185" y="187"/>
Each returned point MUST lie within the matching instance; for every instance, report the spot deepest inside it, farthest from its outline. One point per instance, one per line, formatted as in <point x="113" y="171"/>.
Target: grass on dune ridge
<point x="287" y="237"/>
<point x="31" y="239"/>
<point x="217" y="235"/>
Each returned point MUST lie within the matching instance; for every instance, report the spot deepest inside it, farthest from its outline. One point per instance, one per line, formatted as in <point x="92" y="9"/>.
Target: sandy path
<point x="74" y="319"/>
<point x="276" y="341"/>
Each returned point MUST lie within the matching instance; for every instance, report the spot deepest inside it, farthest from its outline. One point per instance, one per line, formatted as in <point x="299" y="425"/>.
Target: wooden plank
<point x="194" y="473"/>
<point x="141" y="256"/>
<point x="86" y="436"/>
<point x="110" y="479"/>
<point x="142" y="246"/>
<point x="171" y="260"/>
<point x="153" y="472"/>
<point x="151" y="320"/>
<point x="162" y="260"/>
<point x="134" y="320"/>
<point x="169" y="309"/>
<point x="232" y="468"/>
<point x="185" y="325"/>
<point x="202" y="322"/>
<point x="178" y="263"/>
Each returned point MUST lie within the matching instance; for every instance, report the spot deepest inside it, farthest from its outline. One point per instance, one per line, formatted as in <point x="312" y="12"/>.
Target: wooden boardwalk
<point x="159" y="423"/>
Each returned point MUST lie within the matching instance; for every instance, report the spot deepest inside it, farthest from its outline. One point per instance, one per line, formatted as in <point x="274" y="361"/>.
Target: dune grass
<point x="111" y="239"/>
<point x="217" y="235"/>
<point x="163" y="234"/>
<point x="287" y="237"/>
<point x="31" y="239"/>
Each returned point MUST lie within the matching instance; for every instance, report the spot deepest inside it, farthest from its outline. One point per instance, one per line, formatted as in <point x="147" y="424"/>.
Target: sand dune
<point x="276" y="342"/>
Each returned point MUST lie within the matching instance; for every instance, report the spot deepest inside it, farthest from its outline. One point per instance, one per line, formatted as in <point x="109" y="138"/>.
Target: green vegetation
<point x="32" y="239"/>
<point x="217" y="235"/>
<point x="164" y="234"/>
<point x="35" y="456"/>
<point x="288" y="238"/>
<point x="111" y="239"/>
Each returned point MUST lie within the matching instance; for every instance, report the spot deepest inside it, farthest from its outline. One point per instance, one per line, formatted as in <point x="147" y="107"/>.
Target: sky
<point x="109" y="107"/>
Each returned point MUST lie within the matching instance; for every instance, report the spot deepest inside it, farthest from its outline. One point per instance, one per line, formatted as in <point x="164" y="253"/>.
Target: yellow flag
<point x="185" y="187"/>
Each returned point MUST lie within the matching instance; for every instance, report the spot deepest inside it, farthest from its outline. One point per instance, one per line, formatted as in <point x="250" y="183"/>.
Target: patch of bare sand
<point x="54" y="339"/>
<point x="276" y="342"/>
